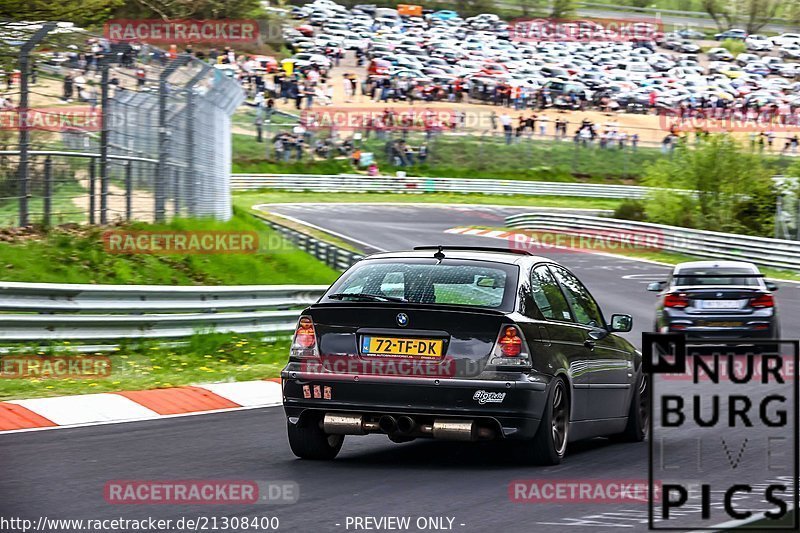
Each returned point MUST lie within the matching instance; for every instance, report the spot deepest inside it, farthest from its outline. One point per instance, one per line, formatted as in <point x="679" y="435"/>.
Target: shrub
<point x="631" y="210"/>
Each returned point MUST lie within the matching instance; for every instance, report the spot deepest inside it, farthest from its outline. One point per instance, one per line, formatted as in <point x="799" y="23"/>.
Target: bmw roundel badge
<point x="402" y="320"/>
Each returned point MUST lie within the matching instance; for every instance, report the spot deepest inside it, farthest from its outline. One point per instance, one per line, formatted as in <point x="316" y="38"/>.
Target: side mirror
<point x="772" y="287"/>
<point x="656" y="286"/>
<point x="621" y="323"/>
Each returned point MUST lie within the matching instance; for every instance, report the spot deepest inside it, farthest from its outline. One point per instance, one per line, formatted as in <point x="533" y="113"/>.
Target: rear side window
<point x="424" y="281"/>
<point x="585" y="308"/>
<point x="548" y="296"/>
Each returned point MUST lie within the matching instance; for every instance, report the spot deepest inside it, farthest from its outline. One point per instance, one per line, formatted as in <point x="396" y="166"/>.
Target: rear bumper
<point x="515" y="416"/>
<point x="758" y="325"/>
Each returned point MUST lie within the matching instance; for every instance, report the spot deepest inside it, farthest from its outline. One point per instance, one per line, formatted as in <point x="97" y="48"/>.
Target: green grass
<point x="77" y="255"/>
<point x="246" y="200"/>
<point x="476" y="157"/>
<point x="63" y="208"/>
<point x="203" y="359"/>
<point x="470" y="157"/>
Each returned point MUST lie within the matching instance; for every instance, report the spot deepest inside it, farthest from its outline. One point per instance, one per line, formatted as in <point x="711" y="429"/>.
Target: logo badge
<point x="402" y="320"/>
<point x="483" y="397"/>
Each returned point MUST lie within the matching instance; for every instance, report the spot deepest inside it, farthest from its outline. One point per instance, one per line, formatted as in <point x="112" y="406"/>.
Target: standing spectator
<point x="422" y="153"/>
<point x="543" y="125"/>
<point x="279" y="148"/>
<point x="505" y="120"/>
<point x="348" y="88"/>
<point x="68" y="88"/>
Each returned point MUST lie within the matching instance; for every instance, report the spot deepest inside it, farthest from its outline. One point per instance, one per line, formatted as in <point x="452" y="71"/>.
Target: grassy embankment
<point x="77" y="255"/>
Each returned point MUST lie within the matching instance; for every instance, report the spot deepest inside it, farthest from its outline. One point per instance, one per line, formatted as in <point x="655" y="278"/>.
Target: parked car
<point x="719" y="54"/>
<point x="687" y="33"/>
<point x="733" y="33"/>
<point x="469" y="344"/>
<point x="758" y="43"/>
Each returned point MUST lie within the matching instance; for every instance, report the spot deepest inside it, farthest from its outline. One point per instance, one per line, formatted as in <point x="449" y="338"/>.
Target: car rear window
<point x="451" y="282"/>
<point x="717" y="276"/>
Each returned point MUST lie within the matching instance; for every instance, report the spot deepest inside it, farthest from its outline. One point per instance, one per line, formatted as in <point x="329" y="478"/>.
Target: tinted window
<point x="717" y="276"/>
<point x="548" y="296"/>
<point x="451" y="282"/>
<point x="584" y="307"/>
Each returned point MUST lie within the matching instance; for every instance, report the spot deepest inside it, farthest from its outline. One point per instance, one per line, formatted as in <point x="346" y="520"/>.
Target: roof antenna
<point x="439" y="255"/>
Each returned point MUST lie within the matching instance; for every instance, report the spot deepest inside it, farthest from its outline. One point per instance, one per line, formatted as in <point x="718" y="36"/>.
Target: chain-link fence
<point x="97" y="132"/>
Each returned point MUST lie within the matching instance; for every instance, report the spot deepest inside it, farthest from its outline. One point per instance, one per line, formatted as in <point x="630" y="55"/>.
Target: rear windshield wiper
<point x="365" y="296"/>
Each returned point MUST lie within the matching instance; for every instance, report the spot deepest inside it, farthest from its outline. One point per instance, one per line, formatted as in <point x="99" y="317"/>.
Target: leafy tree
<point x="191" y="9"/>
<point x="720" y="11"/>
<point x="93" y="13"/>
<point x="562" y="8"/>
<point x="639" y="3"/>
<point x="734" y="188"/>
<point x="753" y="14"/>
<point x="757" y="13"/>
<point x="84" y="13"/>
<point x="530" y="7"/>
<point x="734" y="46"/>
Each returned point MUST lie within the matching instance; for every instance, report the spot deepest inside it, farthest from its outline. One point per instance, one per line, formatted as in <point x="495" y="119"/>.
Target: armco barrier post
<point x="48" y="189"/>
<point x="92" y="192"/>
<point x="128" y="191"/>
<point x="24" y="132"/>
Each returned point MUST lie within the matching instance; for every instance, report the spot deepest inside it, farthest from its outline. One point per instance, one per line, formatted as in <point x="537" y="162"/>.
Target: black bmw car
<point x="726" y="300"/>
<point x="462" y="344"/>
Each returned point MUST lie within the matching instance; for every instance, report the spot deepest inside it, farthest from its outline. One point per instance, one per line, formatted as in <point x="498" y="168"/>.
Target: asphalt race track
<point x="61" y="473"/>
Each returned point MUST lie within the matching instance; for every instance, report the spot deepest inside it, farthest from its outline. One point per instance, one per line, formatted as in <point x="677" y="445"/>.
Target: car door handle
<point x="589" y="343"/>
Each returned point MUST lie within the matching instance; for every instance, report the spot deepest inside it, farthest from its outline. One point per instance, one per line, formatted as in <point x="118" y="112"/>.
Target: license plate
<point x="400" y="346"/>
<point x="721" y="304"/>
<point x="720" y="324"/>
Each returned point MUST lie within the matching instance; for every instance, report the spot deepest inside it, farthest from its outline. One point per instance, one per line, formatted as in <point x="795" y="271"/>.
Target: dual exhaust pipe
<point x="405" y="426"/>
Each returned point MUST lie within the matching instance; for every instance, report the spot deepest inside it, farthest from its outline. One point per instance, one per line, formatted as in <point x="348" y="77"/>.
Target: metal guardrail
<point x="49" y="311"/>
<point x="31" y="312"/>
<point x="417" y="185"/>
<point x="334" y="256"/>
<point x="776" y="253"/>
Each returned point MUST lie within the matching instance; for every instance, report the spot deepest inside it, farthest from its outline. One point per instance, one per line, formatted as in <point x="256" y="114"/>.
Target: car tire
<point x="549" y="445"/>
<point x="638" y="413"/>
<point x="309" y="441"/>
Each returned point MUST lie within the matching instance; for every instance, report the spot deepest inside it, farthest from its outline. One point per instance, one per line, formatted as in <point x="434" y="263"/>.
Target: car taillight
<point x="763" y="300"/>
<point x="510" y="342"/>
<point x="676" y="300"/>
<point x="510" y="349"/>
<point x="304" y="342"/>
